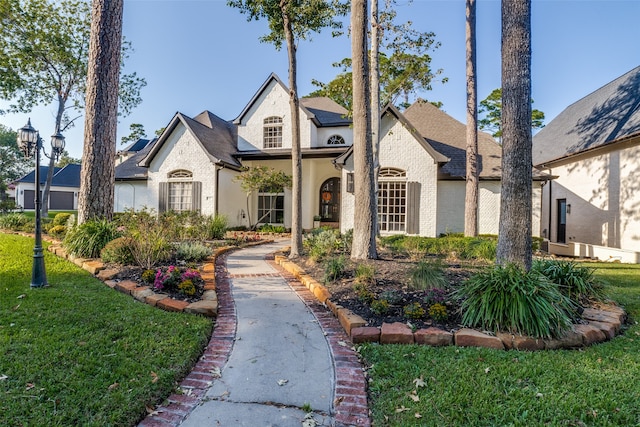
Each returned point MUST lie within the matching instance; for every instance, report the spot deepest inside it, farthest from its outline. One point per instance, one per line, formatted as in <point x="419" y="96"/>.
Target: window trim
<point x="272" y="132"/>
<point x="272" y="211"/>
<point x="335" y="137"/>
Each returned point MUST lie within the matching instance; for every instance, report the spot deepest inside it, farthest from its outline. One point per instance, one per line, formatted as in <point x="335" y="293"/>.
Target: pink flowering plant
<point x="175" y="279"/>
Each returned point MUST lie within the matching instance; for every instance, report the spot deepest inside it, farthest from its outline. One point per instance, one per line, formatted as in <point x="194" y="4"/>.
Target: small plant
<point x="192" y="251"/>
<point x="393" y="297"/>
<point x="365" y="273"/>
<point x="86" y="240"/>
<point x="148" y="276"/>
<point x="435" y="295"/>
<point x="270" y="228"/>
<point x="14" y="221"/>
<point x="334" y="268"/>
<point x="187" y="287"/>
<point x="413" y="311"/>
<point x="57" y="231"/>
<point x="61" y="218"/>
<point x="438" y="312"/>
<point x="322" y="242"/>
<point x="575" y="281"/>
<point x="508" y="298"/>
<point x="215" y="227"/>
<point x="428" y="275"/>
<point x="118" y="251"/>
<point x="380" y="306"/>
<point x="306" y="407"/>
<point x="363" y="292"/>
<point x="171" y="279"/>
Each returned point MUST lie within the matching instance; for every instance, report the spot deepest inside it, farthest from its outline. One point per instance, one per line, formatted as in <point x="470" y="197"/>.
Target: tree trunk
<point x="98" y="163"/>
<point x="296" y="155"/>
<point x="364" y="235"/>
<point x="471" y="195"/>
<point x="375" y="105"/>
<point x="514" y="241"/>
<point x="62" y="101"/>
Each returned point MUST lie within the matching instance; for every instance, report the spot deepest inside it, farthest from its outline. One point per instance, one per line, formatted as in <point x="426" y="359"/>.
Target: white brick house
<point x="592" y="207"/>
<point x="422" y="156"/>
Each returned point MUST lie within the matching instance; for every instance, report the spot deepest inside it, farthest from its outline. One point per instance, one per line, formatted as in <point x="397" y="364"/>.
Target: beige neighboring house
<point x="193" y="165"/>
<point x="592" y="208"/>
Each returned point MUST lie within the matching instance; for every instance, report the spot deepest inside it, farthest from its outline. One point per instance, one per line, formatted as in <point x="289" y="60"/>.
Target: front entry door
<point x="330" y="200"/>
<point x="561" y="235"/>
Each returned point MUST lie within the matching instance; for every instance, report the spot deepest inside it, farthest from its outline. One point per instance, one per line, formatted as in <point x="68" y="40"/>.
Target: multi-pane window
<point x="335" y="140"/>
<point x="271" y="208"/>
<point x="180" y="191"/>
<point x="272" y="132"/>
<point x="392" y="200"/>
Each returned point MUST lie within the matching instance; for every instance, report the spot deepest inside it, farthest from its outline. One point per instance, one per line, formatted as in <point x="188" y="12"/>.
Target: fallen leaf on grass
<point x="417" y="415"/>
<point x="486" y="370"/>
<point x="22" y="296"/>
<point x="414" y="396"/>
<point x="113" y="386"/>
<point x="282" y="382"/>
<point x="419" y="382"/>
<point x="401" y="409"/>
<point x="154" y="377"/>
<point x="15" y="307"/>
<point x="3" y="377"/>
<point x="30" y="386"/>
<point x="151" y="411"/>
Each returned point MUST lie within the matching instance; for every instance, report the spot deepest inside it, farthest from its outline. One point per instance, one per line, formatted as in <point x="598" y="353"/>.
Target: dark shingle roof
<point x="129" y="169"/>
<point x="327" y="111"/>
<point x="31" y="176"/>
<point x="606" y="116"/>
<point x="137" y="146"/>
<point x="449" y="137"/>
<point x="67" y="176"/>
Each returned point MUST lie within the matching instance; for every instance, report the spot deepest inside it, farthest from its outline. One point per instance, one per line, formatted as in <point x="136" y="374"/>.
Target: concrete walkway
<point x="280" y="362"/>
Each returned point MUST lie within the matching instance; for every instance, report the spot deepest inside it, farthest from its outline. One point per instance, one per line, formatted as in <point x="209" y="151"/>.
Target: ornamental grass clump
<point x="192" y="251"/>
<point x="427" y="275"/>
<point x="575" y="281"/>
<point x="508" y="298"/>
<point x="86" y="240"/>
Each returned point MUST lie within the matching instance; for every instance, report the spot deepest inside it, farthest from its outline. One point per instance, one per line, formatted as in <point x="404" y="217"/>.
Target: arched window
<point x="272" y="132"/>
<point x="335" y="140"/>
<point x="392" y="200"/>
<point x="330" y="200"/>
<point x="180" y="191"/>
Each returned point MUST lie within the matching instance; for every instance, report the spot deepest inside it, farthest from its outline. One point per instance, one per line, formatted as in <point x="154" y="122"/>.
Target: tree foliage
<point x="491" y="107"/>
<point x="65" y="159"/>
<point x="264" y="179"/>
<point x="13" y="164"/>
<point x="404" y="61"/>
<point x="136" y="132"/>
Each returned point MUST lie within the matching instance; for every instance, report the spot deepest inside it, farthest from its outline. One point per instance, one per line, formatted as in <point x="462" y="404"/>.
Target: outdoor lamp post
<point x="30" y="144"/>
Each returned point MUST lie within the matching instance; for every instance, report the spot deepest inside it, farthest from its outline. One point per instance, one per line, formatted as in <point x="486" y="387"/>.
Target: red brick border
<point x="350" y="394"/>
<point x="195" y="385"/>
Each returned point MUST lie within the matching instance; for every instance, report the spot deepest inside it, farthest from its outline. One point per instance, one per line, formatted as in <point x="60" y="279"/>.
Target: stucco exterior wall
<point x="131" y="195"/>
<point x="604" y="194"/>
<point x="325" y="133"/>
<point x="273" y="101"/>
<point x="231" y="199"/>
<point x="182" y="151"/>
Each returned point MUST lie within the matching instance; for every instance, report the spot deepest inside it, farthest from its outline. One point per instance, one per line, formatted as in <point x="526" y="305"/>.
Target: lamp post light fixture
<point x="30" y="144"/>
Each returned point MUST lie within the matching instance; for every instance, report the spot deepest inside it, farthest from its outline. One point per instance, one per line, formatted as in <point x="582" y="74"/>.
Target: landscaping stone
<point x="126" y="286"/>
<point x="433" y="336"/>
<point x="321" y="293"/>
<point x="395" y="333"/>
<point x="79" y="261"/>
<point x="93" y="267"/>
<point x="107" y="274"/>
<point x="602" y="316"/>
<point x="590" y="334"/>
<point x="206" y="308"/>
<point x="349" y="320"/>
<point x="142" y="293"/>
<point x="365" y="334"/>
<point x="571" y="339"/>
<point x="520" y="342"/>
<point x="153" y="300"/>
<point x="608" y="329"/>
<point x="466" y="337"/>
<point x="209" y="296"/>
<point x="111" y="283"/>
<point x="171" y="304"/>
<point x="333" y="306"/>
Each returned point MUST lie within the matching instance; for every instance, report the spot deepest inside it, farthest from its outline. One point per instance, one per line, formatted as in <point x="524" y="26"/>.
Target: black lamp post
<point x="30" y="143"/>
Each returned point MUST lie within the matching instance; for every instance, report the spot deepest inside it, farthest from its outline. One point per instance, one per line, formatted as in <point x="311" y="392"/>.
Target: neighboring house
<point x="63" y="194"/>
<point x="592" y="208"/>
<point x="193" y="165"/>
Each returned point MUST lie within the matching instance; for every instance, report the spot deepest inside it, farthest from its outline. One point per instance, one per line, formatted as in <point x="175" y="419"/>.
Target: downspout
<point x="217" y="188"/>
<point x="550" y="206"/>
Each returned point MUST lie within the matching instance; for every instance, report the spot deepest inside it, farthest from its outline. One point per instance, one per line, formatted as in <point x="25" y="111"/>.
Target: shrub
<point x="365" y="273"/>
<point x="438" y="312"/>
<point x="118" y="251"/>
<point x="364" y="294"/>
<point x="149" y="242"/>
<point x="480" y="248"/>
<point x="14" y="221"/>
<point x="57" y="231"/>
<point x="192" y="251"/>
<point x="334" y="268"/>
<point x="173" y="279"/>
<point x="413" y="311"/>
<point x="215" y="227"/>
<point x="428" y="275"/>
<point x="87" y="239"/>
<point x="393" y="297"/>
<point x="269" y="228"/>
<point x="322" y="242"/>
<point x="187" y="287"/>
<point x="61" y="218"/>
<point x="507" y="298"/>
<point x="575" y="281"/>
<point x="380" y="306"/>
<point x="436" y="295"/>
<point x="148" y="276"/>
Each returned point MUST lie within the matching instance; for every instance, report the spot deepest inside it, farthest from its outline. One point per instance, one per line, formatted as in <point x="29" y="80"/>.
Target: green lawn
<point x="597" y="386"/>
<point x="80" y="353"/>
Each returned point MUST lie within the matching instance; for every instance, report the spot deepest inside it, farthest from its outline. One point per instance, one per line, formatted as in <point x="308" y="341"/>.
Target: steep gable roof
<point x="448" y="136"/>
<point x="327" y="111"/>
<point x="129" y="169"/>
<point x="608" y="115"/>
<point x="215" y="135"/>
<point x="273" y="78"/>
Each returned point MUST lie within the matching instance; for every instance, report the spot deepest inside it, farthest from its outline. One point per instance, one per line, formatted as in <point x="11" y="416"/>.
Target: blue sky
<point x="204" y="55"/>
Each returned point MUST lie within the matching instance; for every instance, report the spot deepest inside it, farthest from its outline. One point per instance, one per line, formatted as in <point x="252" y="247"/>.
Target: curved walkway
<point x="275" y="354"/>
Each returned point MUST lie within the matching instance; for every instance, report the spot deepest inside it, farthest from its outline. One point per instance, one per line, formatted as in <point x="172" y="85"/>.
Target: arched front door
<point x="330" y="200"/>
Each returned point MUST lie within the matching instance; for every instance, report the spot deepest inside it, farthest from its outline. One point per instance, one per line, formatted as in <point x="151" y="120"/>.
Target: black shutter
<point x="413" y="207"/>
<point x="163" y="197"/>
<point x="196" y="196"/>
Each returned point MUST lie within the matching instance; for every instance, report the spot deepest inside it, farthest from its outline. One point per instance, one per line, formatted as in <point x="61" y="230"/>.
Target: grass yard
<point x="80" y="353"/>
<point x="596" y="386"/>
